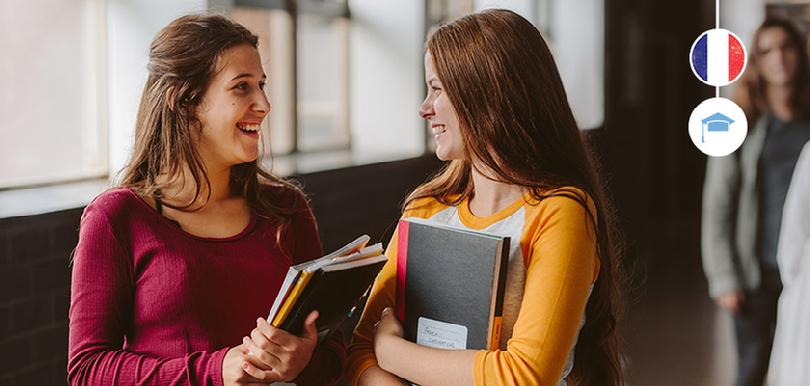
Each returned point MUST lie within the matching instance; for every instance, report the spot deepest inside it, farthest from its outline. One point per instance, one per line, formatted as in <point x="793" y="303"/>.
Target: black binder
<point x="454" y="276"/>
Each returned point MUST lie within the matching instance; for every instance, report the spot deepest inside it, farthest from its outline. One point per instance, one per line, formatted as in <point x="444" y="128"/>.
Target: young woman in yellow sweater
<point x="518" y="166"/>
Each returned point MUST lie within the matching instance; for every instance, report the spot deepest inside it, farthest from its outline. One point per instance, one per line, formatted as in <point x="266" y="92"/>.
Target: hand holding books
<point x="331" y="285"/>
<point x="276" y="355"/>
<point x="324" y="289"/>
<point x="388" y="326"/>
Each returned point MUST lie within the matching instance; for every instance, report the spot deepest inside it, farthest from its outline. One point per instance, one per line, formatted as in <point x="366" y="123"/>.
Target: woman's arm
<point x="419" y="364"/>
<point x="102" y="293"/>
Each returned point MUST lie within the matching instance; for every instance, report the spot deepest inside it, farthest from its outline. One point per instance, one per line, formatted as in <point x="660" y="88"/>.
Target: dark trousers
<point x="754" y="327"/>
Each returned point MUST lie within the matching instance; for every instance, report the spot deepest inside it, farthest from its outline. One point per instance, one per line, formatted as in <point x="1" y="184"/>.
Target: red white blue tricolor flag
<point x="718" y="57"/>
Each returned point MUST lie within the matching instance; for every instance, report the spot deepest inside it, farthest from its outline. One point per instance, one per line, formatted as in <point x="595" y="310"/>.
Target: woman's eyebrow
<point x="247" y="75"/>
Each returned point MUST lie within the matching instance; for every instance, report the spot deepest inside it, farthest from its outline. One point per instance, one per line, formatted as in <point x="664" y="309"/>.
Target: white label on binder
<point x="435" y="334"/>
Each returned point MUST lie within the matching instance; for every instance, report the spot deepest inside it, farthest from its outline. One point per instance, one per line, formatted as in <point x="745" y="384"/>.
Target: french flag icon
<point x="718" y="57"/>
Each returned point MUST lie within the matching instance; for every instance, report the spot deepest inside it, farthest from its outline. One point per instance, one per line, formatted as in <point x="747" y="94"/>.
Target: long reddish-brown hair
<point x="516" y="122"/>
<point x="182" y="61"/>
<point x="750" y="94"/>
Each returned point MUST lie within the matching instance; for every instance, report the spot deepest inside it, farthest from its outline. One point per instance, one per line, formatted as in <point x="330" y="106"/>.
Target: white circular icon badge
<point x="718" y="57"/>
<point x="718" y="127"/>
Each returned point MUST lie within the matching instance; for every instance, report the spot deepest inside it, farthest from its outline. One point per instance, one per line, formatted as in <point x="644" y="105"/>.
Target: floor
<point x="675" y="335"/>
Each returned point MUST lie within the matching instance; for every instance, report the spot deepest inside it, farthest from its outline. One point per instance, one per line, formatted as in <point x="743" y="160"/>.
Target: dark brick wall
<point x="363" y="199"/>
<point x="34" y="296"/>
<point x="35" y="255"/>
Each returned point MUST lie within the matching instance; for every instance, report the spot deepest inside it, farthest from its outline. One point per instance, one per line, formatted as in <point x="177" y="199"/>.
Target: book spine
<point x="292" y="298"/>
<point x="281" y="296"/>
<point x="501" y="270"/>
<point x="402" y="265"/>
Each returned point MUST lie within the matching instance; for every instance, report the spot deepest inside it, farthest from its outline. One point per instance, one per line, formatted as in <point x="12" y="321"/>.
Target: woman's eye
<point x="261" y="85"/>
<point x="242" y="86"/>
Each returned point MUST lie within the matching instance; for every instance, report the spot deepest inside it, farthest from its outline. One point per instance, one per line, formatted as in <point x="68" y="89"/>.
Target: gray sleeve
<point x="720" y="196"/>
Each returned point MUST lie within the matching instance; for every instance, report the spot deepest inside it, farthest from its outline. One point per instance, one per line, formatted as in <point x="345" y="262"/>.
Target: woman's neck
<point x="491" y="196"/>
<point x="778" y="97"/>
<point x="180" y="191"/>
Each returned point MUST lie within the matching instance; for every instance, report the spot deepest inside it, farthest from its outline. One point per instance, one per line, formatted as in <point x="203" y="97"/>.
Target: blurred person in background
<point x="744" y="193"/>
<point x="176" y="265"/>
<point x="791" y="349"/>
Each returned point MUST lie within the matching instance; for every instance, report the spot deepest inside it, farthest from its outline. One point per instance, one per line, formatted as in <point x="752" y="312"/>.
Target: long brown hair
<point x="515" y="120"/>
<point x="182" y="61"/>
<point x="750" y="95"/>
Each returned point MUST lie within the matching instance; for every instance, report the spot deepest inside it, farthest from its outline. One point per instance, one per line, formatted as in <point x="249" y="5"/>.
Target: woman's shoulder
<point x="114" y="201"/>
<point x="562" y="200"/>
<point x="116" y="207"/>
<point x="567" y="212"/>
<point x="559" y="195"/>
<point x="425" y="207"/>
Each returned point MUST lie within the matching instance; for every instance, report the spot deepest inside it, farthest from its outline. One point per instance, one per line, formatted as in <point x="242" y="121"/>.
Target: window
<point x="323" y="61"/>
<point x="51" y="103"/>
<point x="574" y="31"/>
<point x="306" y="57"/>
<point x="441" y="11"/>
<point x="69" y="102"/>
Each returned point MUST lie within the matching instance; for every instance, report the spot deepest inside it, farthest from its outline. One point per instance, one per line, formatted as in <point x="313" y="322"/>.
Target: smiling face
<point x="441" y="114"/>
<point x="778" y="56"/>
<point x="232" y="109"/>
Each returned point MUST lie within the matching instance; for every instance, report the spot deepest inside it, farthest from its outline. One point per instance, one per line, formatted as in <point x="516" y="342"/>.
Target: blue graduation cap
<point x="715" y="122"/>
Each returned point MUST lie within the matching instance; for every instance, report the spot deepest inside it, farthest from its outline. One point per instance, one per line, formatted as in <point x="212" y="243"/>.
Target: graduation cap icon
<point x="715" y="122"/>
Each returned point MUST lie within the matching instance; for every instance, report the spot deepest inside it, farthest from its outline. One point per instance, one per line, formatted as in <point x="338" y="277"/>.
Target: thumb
<point x="310" y="329"/>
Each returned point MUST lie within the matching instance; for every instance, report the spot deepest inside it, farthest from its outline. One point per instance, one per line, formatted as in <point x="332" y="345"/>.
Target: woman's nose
<point x="426" y="109"/>
<point x="262" y="104"/>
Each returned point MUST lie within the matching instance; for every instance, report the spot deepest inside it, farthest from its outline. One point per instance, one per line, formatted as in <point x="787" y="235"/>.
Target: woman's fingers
<point x="284" y="353"/>
<point x="261" y="340"/>
<point x="310" y="329"/>
<point x="259" y="357"/>
<point x="259" y="374"/>
<point x="275" y="335"/>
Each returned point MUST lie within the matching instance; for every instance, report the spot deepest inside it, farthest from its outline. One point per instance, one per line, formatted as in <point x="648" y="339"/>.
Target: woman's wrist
<point x="386" y="347"/>
<point x="231" y="365"/>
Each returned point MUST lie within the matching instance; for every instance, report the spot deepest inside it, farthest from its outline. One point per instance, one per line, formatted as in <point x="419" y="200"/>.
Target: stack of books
<point x="332" y="285"/>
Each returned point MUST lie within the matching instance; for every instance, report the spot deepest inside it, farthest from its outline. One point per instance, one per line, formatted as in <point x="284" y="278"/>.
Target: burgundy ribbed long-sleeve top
<point x="154" y="305"/>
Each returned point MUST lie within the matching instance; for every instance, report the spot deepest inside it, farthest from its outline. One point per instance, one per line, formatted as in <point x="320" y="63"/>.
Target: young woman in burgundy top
<point x="176" y="266"/>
